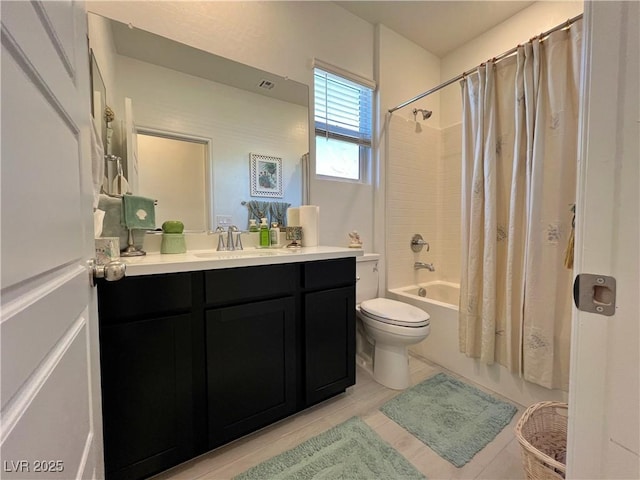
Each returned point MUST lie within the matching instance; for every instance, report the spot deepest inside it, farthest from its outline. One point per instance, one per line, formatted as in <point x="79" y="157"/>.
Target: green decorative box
<point x="173" y="243"/>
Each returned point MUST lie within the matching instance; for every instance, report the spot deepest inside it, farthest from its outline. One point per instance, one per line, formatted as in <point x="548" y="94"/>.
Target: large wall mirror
<point x="167" y="95"/>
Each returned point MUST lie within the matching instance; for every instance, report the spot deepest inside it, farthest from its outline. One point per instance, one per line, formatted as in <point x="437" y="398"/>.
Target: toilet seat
<point x="394" y="312"/>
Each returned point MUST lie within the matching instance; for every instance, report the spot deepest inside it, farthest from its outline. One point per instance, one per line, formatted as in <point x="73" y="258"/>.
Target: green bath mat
<point x="349" y="451"/>
<point x="454" y="419"/>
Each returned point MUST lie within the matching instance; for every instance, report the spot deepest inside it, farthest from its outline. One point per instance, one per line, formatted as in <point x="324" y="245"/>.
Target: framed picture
<point x="266" y="176"/>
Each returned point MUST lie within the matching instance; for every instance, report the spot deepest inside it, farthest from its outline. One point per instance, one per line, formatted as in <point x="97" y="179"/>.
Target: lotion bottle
<point x="264" y="233"/>
<point x="274" y="235"/>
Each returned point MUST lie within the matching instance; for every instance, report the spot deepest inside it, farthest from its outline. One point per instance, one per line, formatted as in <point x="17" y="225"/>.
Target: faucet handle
<point x="221" y="246"/>
<point x="417" y="242"/>
<point x="219" y="231"/>
<point x="239" y="241"/>
<point x="230" y="231"/>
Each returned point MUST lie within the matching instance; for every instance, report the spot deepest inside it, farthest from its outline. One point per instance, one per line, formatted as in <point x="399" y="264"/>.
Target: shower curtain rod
<point x="566" y="24"/>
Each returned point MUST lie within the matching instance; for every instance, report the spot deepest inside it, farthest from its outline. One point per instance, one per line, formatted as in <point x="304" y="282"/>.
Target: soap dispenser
<point x="252" y="225"/>
<point x="274" y="235"/>
<point x="264" y="233"/>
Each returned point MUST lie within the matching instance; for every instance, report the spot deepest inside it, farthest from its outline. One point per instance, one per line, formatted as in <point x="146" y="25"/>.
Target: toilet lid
<point x="394" y="312"/>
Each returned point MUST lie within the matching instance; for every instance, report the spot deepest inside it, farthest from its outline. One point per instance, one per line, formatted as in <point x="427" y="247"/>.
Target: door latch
<point x="595" y="294"/>
<point x="111" y="272"/>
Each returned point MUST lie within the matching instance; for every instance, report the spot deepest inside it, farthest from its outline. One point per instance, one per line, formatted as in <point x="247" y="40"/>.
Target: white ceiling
<point x="437" y="26"/>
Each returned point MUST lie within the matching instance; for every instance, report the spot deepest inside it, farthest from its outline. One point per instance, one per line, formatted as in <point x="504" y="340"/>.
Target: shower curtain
<point x="520" y="139"/>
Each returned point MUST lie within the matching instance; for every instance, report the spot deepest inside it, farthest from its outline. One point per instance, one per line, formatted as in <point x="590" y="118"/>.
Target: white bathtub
<point x="441" y="346"/>
<point x="441" y="303"/>
<point x="444" y="294"/>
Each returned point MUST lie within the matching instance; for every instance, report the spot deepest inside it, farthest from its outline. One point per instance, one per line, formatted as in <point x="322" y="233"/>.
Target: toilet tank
<point x="367" y="273"/>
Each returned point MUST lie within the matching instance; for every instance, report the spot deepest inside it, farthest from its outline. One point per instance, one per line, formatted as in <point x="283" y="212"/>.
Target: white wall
<point x="237" y="122"/>
<point x="403" y="70"/>
<point x="282" y="38"/>
<point x="412" y="188"/>
<point x="538" y="18"/>
<point x="101" y="42"/>
<point x="174" y="172"/>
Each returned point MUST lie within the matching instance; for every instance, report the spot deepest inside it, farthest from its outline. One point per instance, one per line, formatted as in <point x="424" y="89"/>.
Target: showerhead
<point x="425" y="113"/>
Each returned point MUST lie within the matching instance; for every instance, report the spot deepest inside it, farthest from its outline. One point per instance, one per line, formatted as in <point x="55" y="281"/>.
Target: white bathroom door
<point x="50" y="396"/>
<point x="604" y="397"/>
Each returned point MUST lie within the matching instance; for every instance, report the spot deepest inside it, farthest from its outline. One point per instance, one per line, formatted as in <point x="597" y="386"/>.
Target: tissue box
<point x="107" y="249"/>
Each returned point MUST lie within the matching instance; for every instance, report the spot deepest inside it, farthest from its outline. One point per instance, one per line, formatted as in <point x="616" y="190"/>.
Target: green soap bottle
<point x="264" y="233"/>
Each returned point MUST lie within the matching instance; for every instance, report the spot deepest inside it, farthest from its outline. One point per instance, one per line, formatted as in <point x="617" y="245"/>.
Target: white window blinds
<point x="342" y="108"/>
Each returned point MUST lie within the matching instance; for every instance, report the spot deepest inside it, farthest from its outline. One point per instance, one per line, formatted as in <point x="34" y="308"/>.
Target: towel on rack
<point x="279" y="212"/>
<point x="138" y="212"/>
<point x="112" y="224"/>
<point x="257" y="209"/>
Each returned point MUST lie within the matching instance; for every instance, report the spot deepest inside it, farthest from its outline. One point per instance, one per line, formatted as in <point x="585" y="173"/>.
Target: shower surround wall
<point x="423" y="196"/>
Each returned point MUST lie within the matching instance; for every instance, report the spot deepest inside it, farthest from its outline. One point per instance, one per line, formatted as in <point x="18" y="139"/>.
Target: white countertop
<point x="158" y="263"/>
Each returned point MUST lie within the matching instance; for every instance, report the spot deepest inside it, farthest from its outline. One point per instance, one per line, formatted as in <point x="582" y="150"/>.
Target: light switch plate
<point x="224" y="220"/>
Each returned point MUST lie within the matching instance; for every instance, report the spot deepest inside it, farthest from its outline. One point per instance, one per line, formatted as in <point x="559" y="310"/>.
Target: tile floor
<point x="498" y="460"/>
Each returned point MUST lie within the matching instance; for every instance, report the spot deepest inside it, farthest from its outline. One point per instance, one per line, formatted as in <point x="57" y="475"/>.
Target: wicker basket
<point x="542" y="433"/>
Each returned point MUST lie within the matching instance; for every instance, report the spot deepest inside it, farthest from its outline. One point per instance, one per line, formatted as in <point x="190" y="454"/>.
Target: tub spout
<point x="422" y="265"/>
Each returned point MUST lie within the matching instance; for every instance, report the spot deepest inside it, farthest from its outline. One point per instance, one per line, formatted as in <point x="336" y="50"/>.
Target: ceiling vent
<point x="266" y="84"/>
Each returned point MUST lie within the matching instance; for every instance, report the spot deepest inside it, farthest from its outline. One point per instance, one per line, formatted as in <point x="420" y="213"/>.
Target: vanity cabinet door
<point x="146" y="395"/>
<point x="251" y="367"/>
<point x="329" y="343"/>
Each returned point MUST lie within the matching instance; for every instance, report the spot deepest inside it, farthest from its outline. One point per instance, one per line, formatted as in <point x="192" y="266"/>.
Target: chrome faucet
<point x="219" y="230"/>
<point x="422" y="265"/>
<point x="231" y="245"/>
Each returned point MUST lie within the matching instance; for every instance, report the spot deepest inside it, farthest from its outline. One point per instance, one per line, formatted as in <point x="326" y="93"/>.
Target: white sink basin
<point x="257" y="252"/>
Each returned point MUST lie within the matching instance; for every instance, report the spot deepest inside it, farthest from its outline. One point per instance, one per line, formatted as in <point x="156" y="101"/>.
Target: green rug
<point x="350" y="451"/>
<point x="454" y="419"/>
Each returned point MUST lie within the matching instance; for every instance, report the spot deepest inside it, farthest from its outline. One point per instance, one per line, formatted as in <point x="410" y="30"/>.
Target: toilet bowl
<point x="392" y="326"/>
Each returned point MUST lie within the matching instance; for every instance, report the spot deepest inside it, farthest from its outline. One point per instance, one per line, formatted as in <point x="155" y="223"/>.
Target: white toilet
<point x="385" y="328"/>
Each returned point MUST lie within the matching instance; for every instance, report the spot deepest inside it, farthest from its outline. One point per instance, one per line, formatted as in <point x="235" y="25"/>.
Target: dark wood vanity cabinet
<point x="329" y="329"/>
<point x="329" y="343"/>
<point x="191" y="361"/>
<point x="251" y="367"/>
<point x="251" y="338"/>
<point x="146" y="359"/>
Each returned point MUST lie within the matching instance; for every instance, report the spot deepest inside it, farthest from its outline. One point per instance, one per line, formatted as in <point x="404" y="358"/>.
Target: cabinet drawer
<point x="329" y="273"/>
<point x="231" y="285"/>
<point x="144" y="296"/>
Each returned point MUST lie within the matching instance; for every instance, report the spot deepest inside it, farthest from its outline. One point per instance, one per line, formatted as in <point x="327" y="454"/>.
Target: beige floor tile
<point x="507" y="465"/>
<point x="500" y="459"/>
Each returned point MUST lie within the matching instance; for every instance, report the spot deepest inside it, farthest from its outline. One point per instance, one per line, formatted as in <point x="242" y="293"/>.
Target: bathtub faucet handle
<point x="417" y="242"/>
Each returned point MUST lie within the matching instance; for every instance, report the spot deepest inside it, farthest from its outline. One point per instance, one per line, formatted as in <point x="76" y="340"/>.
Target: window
<point x="343" y="117"/>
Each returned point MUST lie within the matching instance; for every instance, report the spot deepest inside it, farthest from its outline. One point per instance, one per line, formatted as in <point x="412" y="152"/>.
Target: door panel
<point x="44" y="413"/>
<point x="24" y="333"/>
<point x="48" y="321"/>
<point x="51" y="212"/>
<point x="41" y="51"/>
<point x="604" y="423"/>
